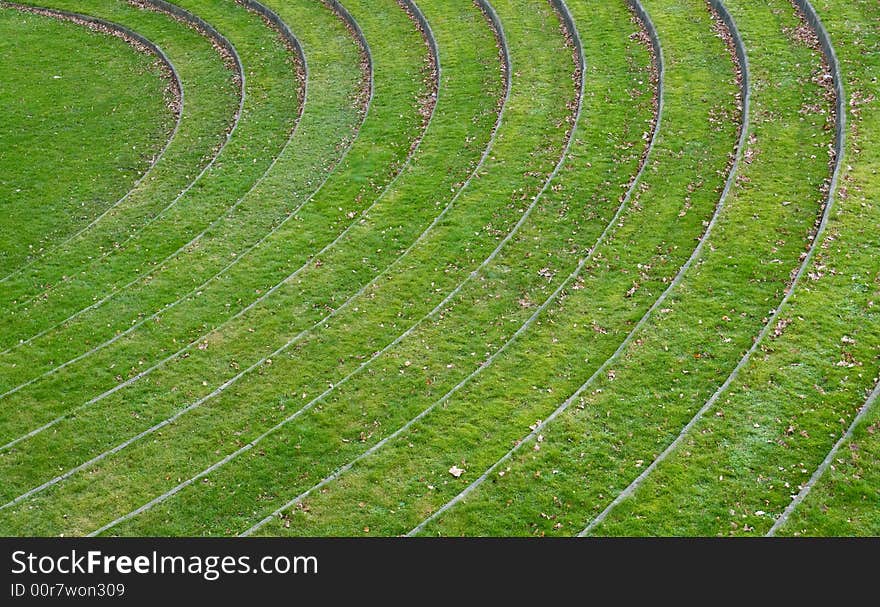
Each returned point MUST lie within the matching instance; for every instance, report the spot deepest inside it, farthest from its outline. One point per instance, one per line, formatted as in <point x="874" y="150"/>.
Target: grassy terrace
<point x="297" y="204"/>
<point x="789" y="405"/>
<point x="270" y="111"/>
<point x="94" y="148"/>
<point x="393" y="126"/>
<point x="463" y="118"/>
<point x="506" y="267"/>
<point x="211" y="102"/>
<point x="621" y="419"/>
<point x="479" y="423"/>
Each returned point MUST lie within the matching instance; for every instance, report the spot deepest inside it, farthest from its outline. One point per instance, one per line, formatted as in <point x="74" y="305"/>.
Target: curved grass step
<point x="790" y="405"/>
<point x="483" y="417"/>
<point x="270" y="111"/>
<point x="842" y="490"/>
<point x="398" y="86"/>
<point x="639" y="397"/>
<point x="518" y="159"/>
<point x="129" y="118"/>
<point x="211" y="110"/>
<point x="842" y="502"/>
<point x="308" y="432"/>
<point x="331" y="121"/>
<point x="232" y="514"/>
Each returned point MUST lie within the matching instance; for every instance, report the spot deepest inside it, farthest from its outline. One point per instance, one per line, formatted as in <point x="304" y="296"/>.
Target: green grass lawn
<point x="62" y="165"/>
<point x="211" y="104"/>
<point x="238" y="252"/>
<point x="455" y="280"/>
<point x="268" y="114"/>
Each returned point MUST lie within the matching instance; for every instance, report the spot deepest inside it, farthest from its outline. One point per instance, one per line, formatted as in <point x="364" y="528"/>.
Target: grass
<point x="239" y="247"/>
<point x="414" y="288"/>
<point x="396" y="90"/>
<point x="781" y="417"/>
<point x="269" y="113"/>
<point x="210" y="104"/>
<point x="91" y="150"/>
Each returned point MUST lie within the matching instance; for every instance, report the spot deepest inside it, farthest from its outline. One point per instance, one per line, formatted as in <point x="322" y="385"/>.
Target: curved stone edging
<point x="659" y="62"/>
<point x="302" y="62"/>
<point x="126" y="34"/>
<point x="206" y="29"/>
<point x="659" y="65"/>
<point x="492" y="16"/>
<point x="742" y="57"/>
<point x="568" y="22"/>
<point x="812" y="18"/>
<point x="815" y="22"/>
<point x="355" y="28"/>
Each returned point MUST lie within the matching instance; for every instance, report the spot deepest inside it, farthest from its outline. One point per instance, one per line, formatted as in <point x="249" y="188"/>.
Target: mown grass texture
<point x="407" y="288"/>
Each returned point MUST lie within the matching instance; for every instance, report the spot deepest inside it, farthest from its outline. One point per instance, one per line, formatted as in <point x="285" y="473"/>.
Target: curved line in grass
<point x="643" y="14"/>
<point x="828" y="50"/>
<point x="176" y="11"/>
<point x="209" y="31"/>
<point x="127" y="34"/>
<point x="353" y="26"/>
<point x="429" y="38"/>
<point x="521" y="330"/>
<point x="829" y="459"/>
<point x="831" y="56"/>
<point x="489" y="12"/>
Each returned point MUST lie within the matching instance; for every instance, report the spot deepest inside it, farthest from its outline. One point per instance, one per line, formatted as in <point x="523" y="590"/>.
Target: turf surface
<point x="446" y="268"/>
